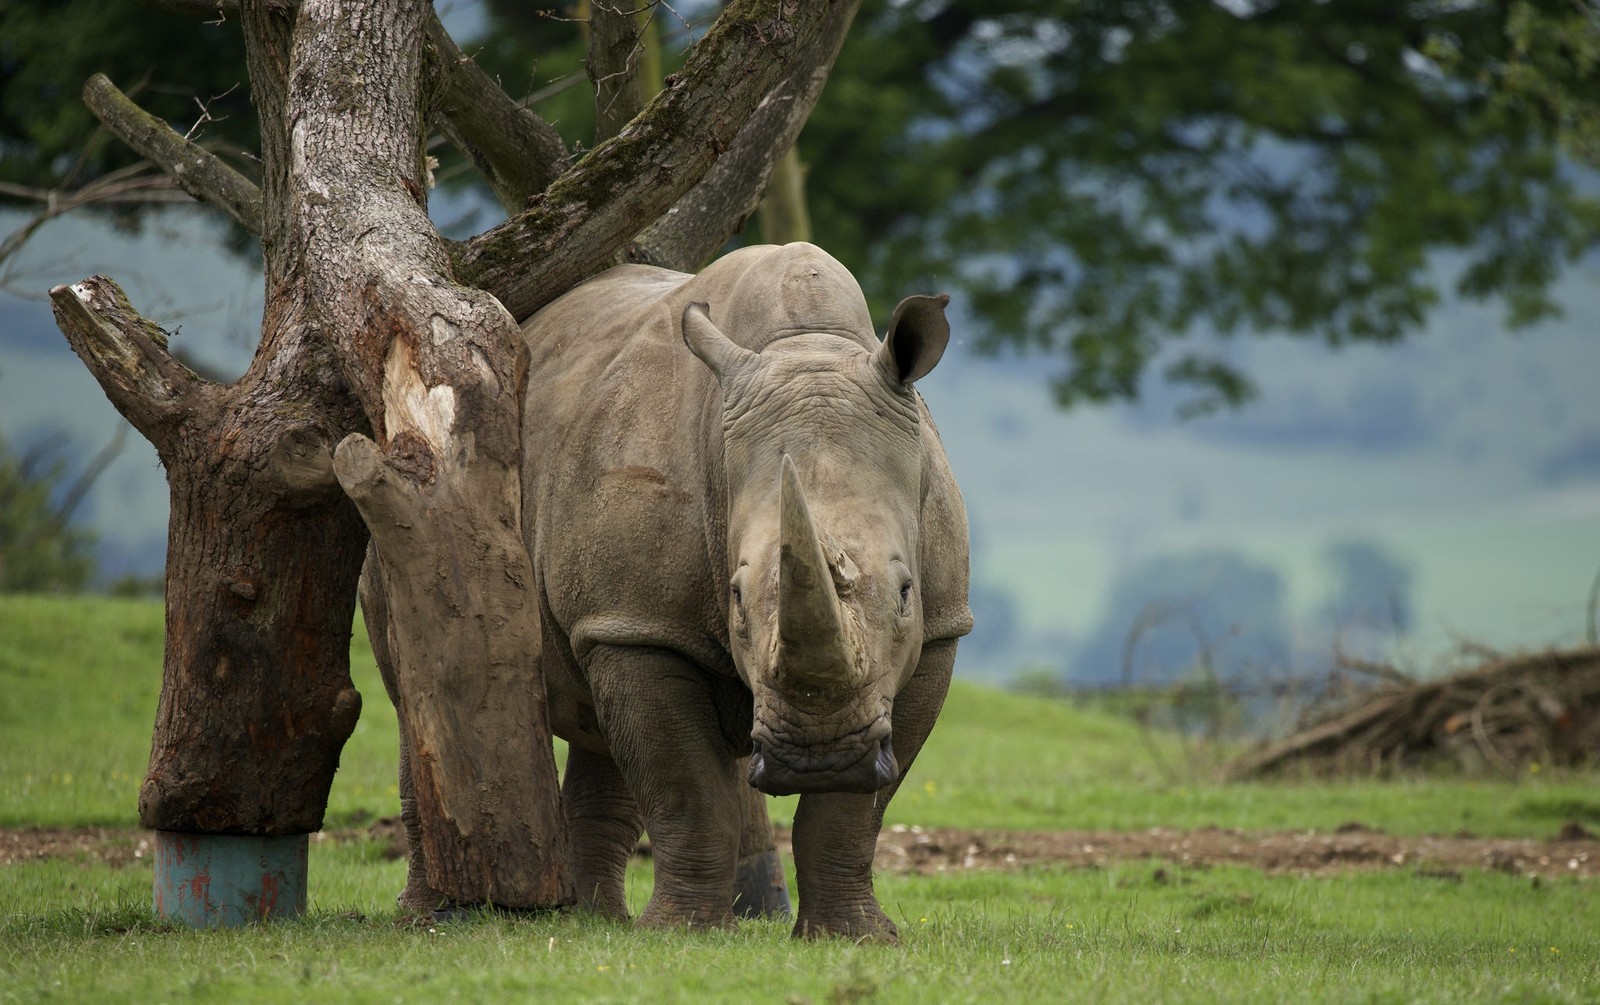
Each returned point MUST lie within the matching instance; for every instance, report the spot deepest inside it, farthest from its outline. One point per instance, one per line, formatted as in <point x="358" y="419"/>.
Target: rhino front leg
<point x="836" y="833"/>
<point x="659" y="713"/>
<point x="604" y="822"/>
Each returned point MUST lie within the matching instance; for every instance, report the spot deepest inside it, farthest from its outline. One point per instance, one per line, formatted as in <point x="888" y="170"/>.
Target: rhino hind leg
<point x="658" y="713"/>
<point x="605" y="823"/>
<point x="759" y="888"/>
<point x="836" y="833"/>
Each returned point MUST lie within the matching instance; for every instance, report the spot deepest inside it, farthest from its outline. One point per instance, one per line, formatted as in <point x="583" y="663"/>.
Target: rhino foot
<point x="862" y="924"/>
<point x="759" y="890"/>
<point x="658" y="915"/>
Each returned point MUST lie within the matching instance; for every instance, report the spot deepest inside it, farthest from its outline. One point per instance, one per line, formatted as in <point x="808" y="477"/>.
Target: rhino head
<point x="823" y="455"/>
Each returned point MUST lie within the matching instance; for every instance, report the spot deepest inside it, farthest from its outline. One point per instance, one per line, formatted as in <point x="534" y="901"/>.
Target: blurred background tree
<point x="1109" y="181"/>
<point x="42" y="549"/>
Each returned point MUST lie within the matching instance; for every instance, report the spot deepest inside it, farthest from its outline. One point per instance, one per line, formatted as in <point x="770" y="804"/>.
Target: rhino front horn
<point x="812" y="647"/>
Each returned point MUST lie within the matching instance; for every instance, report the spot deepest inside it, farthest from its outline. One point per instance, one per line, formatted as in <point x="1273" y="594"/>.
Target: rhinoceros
<point x="751" y="560"/>
<point x="748" y="543"/>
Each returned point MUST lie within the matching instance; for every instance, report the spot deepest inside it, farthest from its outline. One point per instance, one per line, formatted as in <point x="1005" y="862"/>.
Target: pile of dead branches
<point x="1503" y="715"/>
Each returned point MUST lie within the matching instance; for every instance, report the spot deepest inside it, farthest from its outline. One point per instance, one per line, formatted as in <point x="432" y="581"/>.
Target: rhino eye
<point x="905" y="596"/>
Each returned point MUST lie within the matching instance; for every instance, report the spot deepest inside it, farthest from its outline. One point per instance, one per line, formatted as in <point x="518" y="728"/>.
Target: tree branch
<point x="268" y="41"/>
<point x="613" y="65"/>
<point x="707" y="215"/>
<point x="126" y="353"/>
<point x="596" y="207"/>
<point x="197" y="170"/>
<point x="517" y="152"/>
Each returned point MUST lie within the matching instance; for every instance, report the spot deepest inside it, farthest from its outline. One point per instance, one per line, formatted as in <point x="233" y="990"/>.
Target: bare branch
<point x="517" y="152"/>
<point x="715" y="209"/>
<point x="197" y="170"/>
<point x="131" y="185"/>
<point x="637" y="175"/>
<point x="195" y="8"/>
<point x="126" y="353"/>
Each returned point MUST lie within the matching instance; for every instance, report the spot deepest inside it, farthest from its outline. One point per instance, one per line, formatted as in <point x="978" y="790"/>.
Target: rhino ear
<point x="707" y="342"/>
<point x="918" y="334"/>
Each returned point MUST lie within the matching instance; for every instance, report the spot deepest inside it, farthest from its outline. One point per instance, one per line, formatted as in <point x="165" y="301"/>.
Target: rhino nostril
<point x="886" y="767"/>
<point x="758" y="765"/>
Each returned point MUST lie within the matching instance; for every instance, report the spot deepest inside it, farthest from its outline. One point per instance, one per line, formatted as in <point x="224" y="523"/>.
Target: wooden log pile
<point x="1503" y="716"/>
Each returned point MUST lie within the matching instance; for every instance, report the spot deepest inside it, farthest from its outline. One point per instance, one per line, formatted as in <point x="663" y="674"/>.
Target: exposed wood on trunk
<point x="482" y="774"/>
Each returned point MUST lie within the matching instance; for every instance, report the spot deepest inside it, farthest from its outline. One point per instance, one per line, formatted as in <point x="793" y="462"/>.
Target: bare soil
<point x="1572" y="851"/>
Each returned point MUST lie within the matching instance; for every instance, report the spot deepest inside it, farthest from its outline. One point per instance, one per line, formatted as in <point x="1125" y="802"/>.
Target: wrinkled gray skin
<point x="748" y="542"/>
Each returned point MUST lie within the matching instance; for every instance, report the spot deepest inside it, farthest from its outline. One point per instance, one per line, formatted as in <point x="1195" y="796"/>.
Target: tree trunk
<point x="435" y="366"/>
<point x="263" y="552"/>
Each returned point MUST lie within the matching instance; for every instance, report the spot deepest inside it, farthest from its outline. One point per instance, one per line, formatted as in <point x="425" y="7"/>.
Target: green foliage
<point x="40" y="548"/>
<point x="1549" y="71"/>
<point x="1104" y="180"/>
<point x="172" y="65"/>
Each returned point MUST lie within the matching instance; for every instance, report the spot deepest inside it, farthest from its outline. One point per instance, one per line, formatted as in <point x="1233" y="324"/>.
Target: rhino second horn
<point x="812" y="646"/>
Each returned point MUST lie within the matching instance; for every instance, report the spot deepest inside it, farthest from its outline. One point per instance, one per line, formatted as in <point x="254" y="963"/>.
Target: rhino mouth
<point x="782" y="769"/>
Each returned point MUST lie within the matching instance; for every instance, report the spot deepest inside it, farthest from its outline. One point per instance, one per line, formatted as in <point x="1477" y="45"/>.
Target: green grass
<point x="1126" y="933"/>
<point x="78" y="681"/>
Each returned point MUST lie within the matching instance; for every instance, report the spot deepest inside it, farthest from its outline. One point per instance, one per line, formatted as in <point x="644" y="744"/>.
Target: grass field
<point x="78" y="680"/>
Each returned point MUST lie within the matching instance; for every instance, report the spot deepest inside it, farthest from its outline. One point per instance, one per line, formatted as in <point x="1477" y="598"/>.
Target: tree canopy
<point x="1111" y="181"/>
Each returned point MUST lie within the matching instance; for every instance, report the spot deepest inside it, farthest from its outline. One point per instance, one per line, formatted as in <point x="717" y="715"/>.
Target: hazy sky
<point x="1471" y="453"/>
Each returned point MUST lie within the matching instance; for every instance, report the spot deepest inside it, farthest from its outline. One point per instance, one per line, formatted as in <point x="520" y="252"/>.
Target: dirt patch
<point x="916" y="850"/>
<point x="1573" y="851"/>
